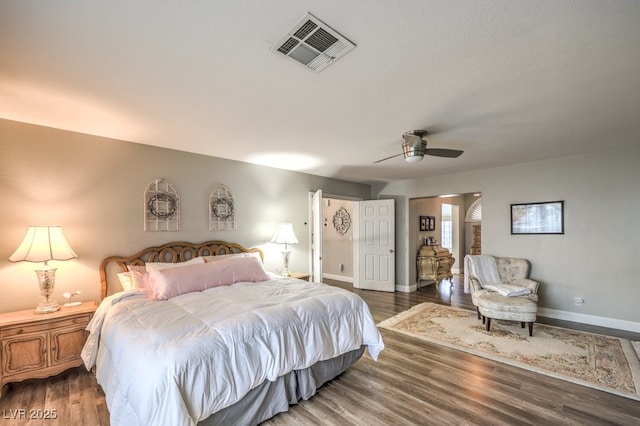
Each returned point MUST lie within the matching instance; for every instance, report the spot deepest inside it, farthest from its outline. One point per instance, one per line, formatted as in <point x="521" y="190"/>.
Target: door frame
<point x="311" y="223"/>
<point x="355" y="226"/>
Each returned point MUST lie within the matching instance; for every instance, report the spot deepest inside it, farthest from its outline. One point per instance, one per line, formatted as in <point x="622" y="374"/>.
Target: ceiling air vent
<point x="313" y="44"/>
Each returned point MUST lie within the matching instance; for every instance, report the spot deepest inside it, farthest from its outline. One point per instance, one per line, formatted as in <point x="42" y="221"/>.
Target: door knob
<point x="391" y="251"/>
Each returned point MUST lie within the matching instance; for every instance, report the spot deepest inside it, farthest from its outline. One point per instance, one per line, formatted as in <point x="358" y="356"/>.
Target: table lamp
<point x="284" y="235"/>
<point x="42" y="244"/>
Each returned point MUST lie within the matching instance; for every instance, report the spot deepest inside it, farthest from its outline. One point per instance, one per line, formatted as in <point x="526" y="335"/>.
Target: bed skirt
<point x="271" y="398"/>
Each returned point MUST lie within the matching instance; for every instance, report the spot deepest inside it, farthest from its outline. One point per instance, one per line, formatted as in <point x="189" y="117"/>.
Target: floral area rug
<point x="602" y="362"/>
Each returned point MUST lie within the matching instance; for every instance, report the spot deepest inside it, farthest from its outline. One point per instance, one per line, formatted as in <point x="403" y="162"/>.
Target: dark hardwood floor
<point x="419" y="383"/>
<point x="412" y="383"/>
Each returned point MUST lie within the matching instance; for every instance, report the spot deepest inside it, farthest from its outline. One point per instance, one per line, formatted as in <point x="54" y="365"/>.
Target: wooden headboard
<point x="174" y="252"/>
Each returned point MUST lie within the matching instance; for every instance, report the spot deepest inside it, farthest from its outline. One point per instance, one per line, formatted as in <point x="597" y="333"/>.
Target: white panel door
<point x="376" y="245"/>
<point x="316" y="235"/>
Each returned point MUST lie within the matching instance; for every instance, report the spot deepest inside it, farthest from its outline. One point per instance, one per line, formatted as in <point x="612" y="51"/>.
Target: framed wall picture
<point x="537" y="218"/>
<point x="427" y="223"/>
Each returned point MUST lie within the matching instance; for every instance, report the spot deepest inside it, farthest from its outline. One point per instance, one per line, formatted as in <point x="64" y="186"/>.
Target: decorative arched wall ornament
<point x="161" y="206"/>
<point x="222" y="214"/>
<point x="342" y="221"/>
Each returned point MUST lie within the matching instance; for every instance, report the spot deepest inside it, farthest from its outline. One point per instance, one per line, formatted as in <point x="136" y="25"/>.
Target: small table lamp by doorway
<point x="284" y="235"/>
<point x="42" y="244"/>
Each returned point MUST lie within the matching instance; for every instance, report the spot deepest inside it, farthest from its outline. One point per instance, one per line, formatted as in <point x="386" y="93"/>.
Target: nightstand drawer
<point x="35" y="328"/>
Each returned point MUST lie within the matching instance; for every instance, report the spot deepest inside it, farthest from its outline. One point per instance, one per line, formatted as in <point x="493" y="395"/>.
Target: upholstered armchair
<point x="511" y="270"/>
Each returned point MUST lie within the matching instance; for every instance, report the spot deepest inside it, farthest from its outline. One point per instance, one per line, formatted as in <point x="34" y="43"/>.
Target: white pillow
<point x="157" y="266"/>
<point x="209" y="259"/>
<point x="125" y="280"/>
<point x="134" y="279"/>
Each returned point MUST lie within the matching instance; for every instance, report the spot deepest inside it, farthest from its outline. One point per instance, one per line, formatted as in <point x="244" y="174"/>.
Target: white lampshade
<point x="284" y="234"/>
<point x="43" y="243"/>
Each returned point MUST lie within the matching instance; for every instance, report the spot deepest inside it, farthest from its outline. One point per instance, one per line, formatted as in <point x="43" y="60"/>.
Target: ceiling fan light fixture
<point x="413" y="149"/>
<point x="414" y="158"/>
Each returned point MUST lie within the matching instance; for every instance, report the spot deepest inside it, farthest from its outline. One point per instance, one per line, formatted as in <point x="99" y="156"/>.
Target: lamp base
<point x="47" y="306"/>
<point x="47" y="281"/>
<point x="285" y="257"/>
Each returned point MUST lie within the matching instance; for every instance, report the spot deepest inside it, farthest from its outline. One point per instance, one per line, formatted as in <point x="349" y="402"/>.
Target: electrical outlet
<point x="578" y="301"/>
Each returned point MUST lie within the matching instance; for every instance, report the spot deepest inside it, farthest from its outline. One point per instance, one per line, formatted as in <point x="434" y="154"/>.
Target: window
<point x="447" y="240"/>
<point x="446" y="227"/>
<point x="474" y="214"/>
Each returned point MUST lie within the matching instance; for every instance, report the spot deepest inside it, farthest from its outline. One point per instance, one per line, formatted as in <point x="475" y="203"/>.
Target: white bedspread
<point x="176" y="362"/>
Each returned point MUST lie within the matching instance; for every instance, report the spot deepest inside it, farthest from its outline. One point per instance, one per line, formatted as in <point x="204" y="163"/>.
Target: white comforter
<point x="176" y="362"/>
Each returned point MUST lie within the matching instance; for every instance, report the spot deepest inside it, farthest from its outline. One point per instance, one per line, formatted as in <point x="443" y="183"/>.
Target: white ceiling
<point x="505" y="81"/>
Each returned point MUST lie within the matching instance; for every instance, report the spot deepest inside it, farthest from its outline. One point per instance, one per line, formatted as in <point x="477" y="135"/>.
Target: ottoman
<point x="507" y="308"/>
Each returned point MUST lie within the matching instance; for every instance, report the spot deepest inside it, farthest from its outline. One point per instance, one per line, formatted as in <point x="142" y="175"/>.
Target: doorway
<point x="337" y="239"/>
<point x="451" y="227"/>
<point x="353" y="240"/>
<point x="449" y="233"/>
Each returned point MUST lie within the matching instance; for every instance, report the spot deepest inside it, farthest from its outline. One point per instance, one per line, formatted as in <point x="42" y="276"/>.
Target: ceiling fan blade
<point x="393" y="156"/>
<point x="441" y="152"/>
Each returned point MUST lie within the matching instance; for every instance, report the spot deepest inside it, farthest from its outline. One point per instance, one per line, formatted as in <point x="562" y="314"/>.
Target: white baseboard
<point x="406" y="288"/>
<point x="614" y="323"/>
<point x="413" y="287"/>
<point x="338" y="278"/>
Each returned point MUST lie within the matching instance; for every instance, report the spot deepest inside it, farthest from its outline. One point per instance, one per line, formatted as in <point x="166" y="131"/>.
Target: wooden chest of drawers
<point x="434" y="264"/>
<point x="42" y="345"/>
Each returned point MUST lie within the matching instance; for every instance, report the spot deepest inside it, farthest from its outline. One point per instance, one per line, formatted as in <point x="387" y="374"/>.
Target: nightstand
<point x="300" y="276"/>
<point x="42" y="345"/>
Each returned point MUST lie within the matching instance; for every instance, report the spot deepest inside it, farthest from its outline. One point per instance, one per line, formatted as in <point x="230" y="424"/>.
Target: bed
<point x="206" y="336"/>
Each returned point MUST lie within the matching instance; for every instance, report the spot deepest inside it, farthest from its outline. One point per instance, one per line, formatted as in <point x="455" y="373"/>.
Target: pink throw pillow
<point x="167" y="283"/>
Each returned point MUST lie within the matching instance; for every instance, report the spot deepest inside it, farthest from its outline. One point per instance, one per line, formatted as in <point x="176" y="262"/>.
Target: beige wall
<point x="94" y="188"/>
<point x="595" y="259"/>
<point x="337" y="249"/>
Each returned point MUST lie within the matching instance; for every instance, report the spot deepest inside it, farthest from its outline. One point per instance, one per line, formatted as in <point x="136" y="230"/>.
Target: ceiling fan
<point x="414" y="148"/>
